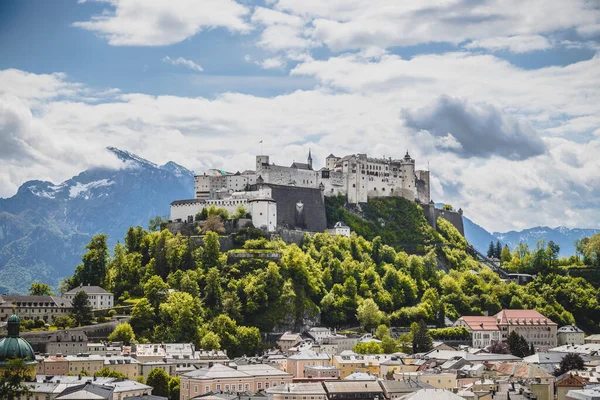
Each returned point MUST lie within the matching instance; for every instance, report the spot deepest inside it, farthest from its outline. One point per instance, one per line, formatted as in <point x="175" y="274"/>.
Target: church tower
<point x="310" y="159"/>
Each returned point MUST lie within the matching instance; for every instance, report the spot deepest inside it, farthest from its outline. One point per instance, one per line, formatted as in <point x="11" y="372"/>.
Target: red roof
<point x="522" y="317"/>
<point x="481" y="323"/>
<point x="571" y="380"/>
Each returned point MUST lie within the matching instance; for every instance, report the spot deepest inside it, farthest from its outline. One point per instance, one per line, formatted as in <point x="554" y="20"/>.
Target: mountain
<point x="562" y="236"/>
<point x="477" y="236"/>
<point x="44" y="227"/>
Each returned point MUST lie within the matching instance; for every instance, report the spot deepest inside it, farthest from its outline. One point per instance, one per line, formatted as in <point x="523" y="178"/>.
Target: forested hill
<point x="44" y="227"/>
<point x="336" y="281"/>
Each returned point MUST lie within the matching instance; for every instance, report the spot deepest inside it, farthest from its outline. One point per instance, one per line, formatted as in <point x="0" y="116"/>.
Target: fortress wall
<point x="278" y="175"/>
<point x="335" y="184"/>
<point x="454" y="217"/>
<point x="313" y="207"/>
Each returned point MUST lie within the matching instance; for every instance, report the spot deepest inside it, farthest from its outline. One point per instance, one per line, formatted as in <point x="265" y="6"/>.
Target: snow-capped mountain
<point x="561" y="235"/>
<point x="44" y="227"/>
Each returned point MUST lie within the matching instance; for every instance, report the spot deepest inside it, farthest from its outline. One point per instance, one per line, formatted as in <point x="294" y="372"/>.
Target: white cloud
<point x="514" y="44"/>
<point x="281" y="31"/>
<point x="273" y="63"/>
<point x="160" y="23"/>
<point x="343" y="24"/>
<point x="356" y="107"/>
<point x="182" y="61"/>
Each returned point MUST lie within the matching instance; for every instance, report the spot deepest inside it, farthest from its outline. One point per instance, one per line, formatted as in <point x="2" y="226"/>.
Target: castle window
<point x="353" y="185"/>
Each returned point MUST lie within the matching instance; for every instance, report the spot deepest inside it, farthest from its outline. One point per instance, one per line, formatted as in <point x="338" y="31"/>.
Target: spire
<point x="309" y="159"/>
<point x="13" y="326"/>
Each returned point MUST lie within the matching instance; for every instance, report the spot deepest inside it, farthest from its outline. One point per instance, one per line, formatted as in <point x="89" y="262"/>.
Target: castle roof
<point x="88" y="290"/>
<point x="298" y="165"/>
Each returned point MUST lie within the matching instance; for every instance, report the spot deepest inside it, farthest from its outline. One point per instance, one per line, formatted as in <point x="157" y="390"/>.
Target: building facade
<point x="98" y="298"/>
<point x="45" y="308"/>
<point x="67" y="343"/>
<point x="570" y="334"/>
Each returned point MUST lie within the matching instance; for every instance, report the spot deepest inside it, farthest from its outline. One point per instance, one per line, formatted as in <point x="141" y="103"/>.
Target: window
<point x="259" y="385"/>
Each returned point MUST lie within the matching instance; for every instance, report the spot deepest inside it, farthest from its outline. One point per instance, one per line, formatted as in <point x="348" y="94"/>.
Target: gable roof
<point x="481" y="323"/>
<point x="521" y="370"/>
<point x="570" y="380"/>
<point x="88" y="290"/>
<point x="298" y="165"/>
<point x="522" y="317"/>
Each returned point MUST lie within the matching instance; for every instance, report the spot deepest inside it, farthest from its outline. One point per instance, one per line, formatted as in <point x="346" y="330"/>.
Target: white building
<point x="570" y="334"/>
<point x="484" y="330"/>
<point x="340" y="229"/>
<point x="319" y="333"/>
<point x="98" y="298"/>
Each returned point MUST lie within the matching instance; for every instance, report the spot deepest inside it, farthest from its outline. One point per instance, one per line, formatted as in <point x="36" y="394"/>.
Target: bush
<point x="28" y="324"/>
<point x="112" y="313"/>
<point x="39" y="323"/>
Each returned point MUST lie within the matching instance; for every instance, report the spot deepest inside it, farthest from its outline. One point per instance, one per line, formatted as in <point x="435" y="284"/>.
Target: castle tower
<point x="310" y="159"/>
<point x="260" y="162"/>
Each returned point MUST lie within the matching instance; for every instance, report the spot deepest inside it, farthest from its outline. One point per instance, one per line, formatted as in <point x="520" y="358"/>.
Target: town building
<point x="67" y="342"/>
<point x="58" y="387"/>
<point x="567" y="382"/>
<point x="340" y="229"/>
<point x="592" y="339"/>
<point x="539" y="381"/>
<point x="319" y="333"/>
<point x="353" y="390"/>
<point x="438" y="380"/>
<point x="570" y="334"/>
<point x="297" y="391"/>
<point x="98" y="298"/>
<point x="321" y="372"/>
<point x="125" y="365"/>
<point x="533" y="326"/>
<point x="249" y="378"/>
<point x="52" y="365"/>
<point x="340" y="343"/>
<point x="349" y="363"/>
<point x="297" y="362"/>
<point x="90" y="363"/>
<point x="45" y="308"/>
<point x="589" y="349"/>
<point x="288" y="340"/>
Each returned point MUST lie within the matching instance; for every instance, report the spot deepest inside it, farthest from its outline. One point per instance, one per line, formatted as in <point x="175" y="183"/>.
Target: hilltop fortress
<point x="279" y="196"/>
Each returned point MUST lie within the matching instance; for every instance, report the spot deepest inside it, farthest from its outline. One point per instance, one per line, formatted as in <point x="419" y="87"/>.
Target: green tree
<point x="371" y="347"/>
<point x="107" y="373"/>
<point x="40" y="289"/>
<point x="505" y="256"/>
<point x="240" y="212"/>
<point x="174" y="388"/>
<point x="82" y="312"/>
<point x="382" y="331"/>
<point x="405" y="343"/>
<point x="63" y="321"/>
<point x="159" y="380"/>
<point x="491" y="250"/>
<point x="13" y="378"/>
<point x="517" y="345"/>
<point x="211" y="257"/>
<point x="212" y="290"/>
<point x="389" y="345"/>
<point x="421" y="339"/>
<point x="498" y="250"/>
<point x="210" y="341"/>
<point x="142" y="316"/>
<point x="156" y="291"/>
<point x="250" y="342"/>
<point x="157" y="223"/>
<point x="570" y="362"/>
<point x="122" y="333"/>
<point x="93" y="269"/>
<point x="181" y="317"/>
<point x="369" y="315"/>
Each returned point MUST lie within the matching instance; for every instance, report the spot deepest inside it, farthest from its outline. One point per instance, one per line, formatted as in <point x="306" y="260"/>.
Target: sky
<point x="500" y="99"/>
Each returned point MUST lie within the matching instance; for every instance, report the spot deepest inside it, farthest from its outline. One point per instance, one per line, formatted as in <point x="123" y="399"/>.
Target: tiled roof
<point x="522" y="317"/>
<point x="521" y="370"/>
<point x="88" y="289"/>
<point x="481" y="323"/>
<point x="571" y="380"/>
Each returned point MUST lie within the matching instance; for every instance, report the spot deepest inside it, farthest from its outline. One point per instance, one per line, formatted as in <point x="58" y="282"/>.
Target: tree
<point x="159" y="380"/>
<point x="108" y="373"/>
<point x="82" y="312"/>
<point x="421" y="339"/>
<point x="570" y="362"/>
<point x="389" y="345"/>
<point x="142" y="316"/>
<point x="210" y="341"/>
<point x="498" y="250"/>
<point x="447" y="207"/>
<point x="405" y="343"/>
<point x="174" y="385"/>
<point x="212" y="251"/>
<point x="498" y="347"/>
<point x="505" y="256"/>
<point x="122" y="333"/>
<point x="63" y="321"/>
<point x="181" y="318"/>
<point x="250" y="342"/>
<point x="517" y="345"/>
<point x="491" y="250"/>
<point x="382" y="330"/>
<point x="93" y="269"/>
<point x="369" y="315"/>
<point x="12" y="379"/>
<point x="157" y="223"/>
<point x="213" y="224"/>
<point x="156" y="291"/>
<point x="40" y="289"/>
<point x="371" y="347"/>
<point x="240" y="212"/>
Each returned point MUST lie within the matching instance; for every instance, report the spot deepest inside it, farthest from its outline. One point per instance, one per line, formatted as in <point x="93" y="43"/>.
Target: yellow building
<point x="439" y="381"/>
<point x="351" y="363"/>
<point x="90" y="363"/>
<point x="295" y="364"/>
<point x="123" y="364"/>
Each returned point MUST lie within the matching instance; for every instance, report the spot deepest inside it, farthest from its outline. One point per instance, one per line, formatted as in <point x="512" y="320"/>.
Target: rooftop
<point x="88" y="290"/>
<point x="569" y="329"/>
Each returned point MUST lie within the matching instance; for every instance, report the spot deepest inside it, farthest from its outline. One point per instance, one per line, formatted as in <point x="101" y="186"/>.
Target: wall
<point x="287" y="198"/>
<point x="454" y="217"/>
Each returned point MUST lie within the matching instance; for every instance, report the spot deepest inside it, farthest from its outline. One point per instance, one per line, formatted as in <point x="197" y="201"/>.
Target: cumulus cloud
<point x="481" y="131"/>
<point x="514" y="44"/>
<point x="160" y="23"/>
<point x="273" y="63"/>
<point x="182" y="61"/>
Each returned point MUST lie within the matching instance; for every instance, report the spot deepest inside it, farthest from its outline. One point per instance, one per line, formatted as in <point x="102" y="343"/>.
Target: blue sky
<point x="500" y="97"/>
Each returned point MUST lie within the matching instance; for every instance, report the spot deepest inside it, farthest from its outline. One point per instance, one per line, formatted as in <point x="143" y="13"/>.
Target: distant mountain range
<point x="44" y="227"/>
<point x="564" y="237"/>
